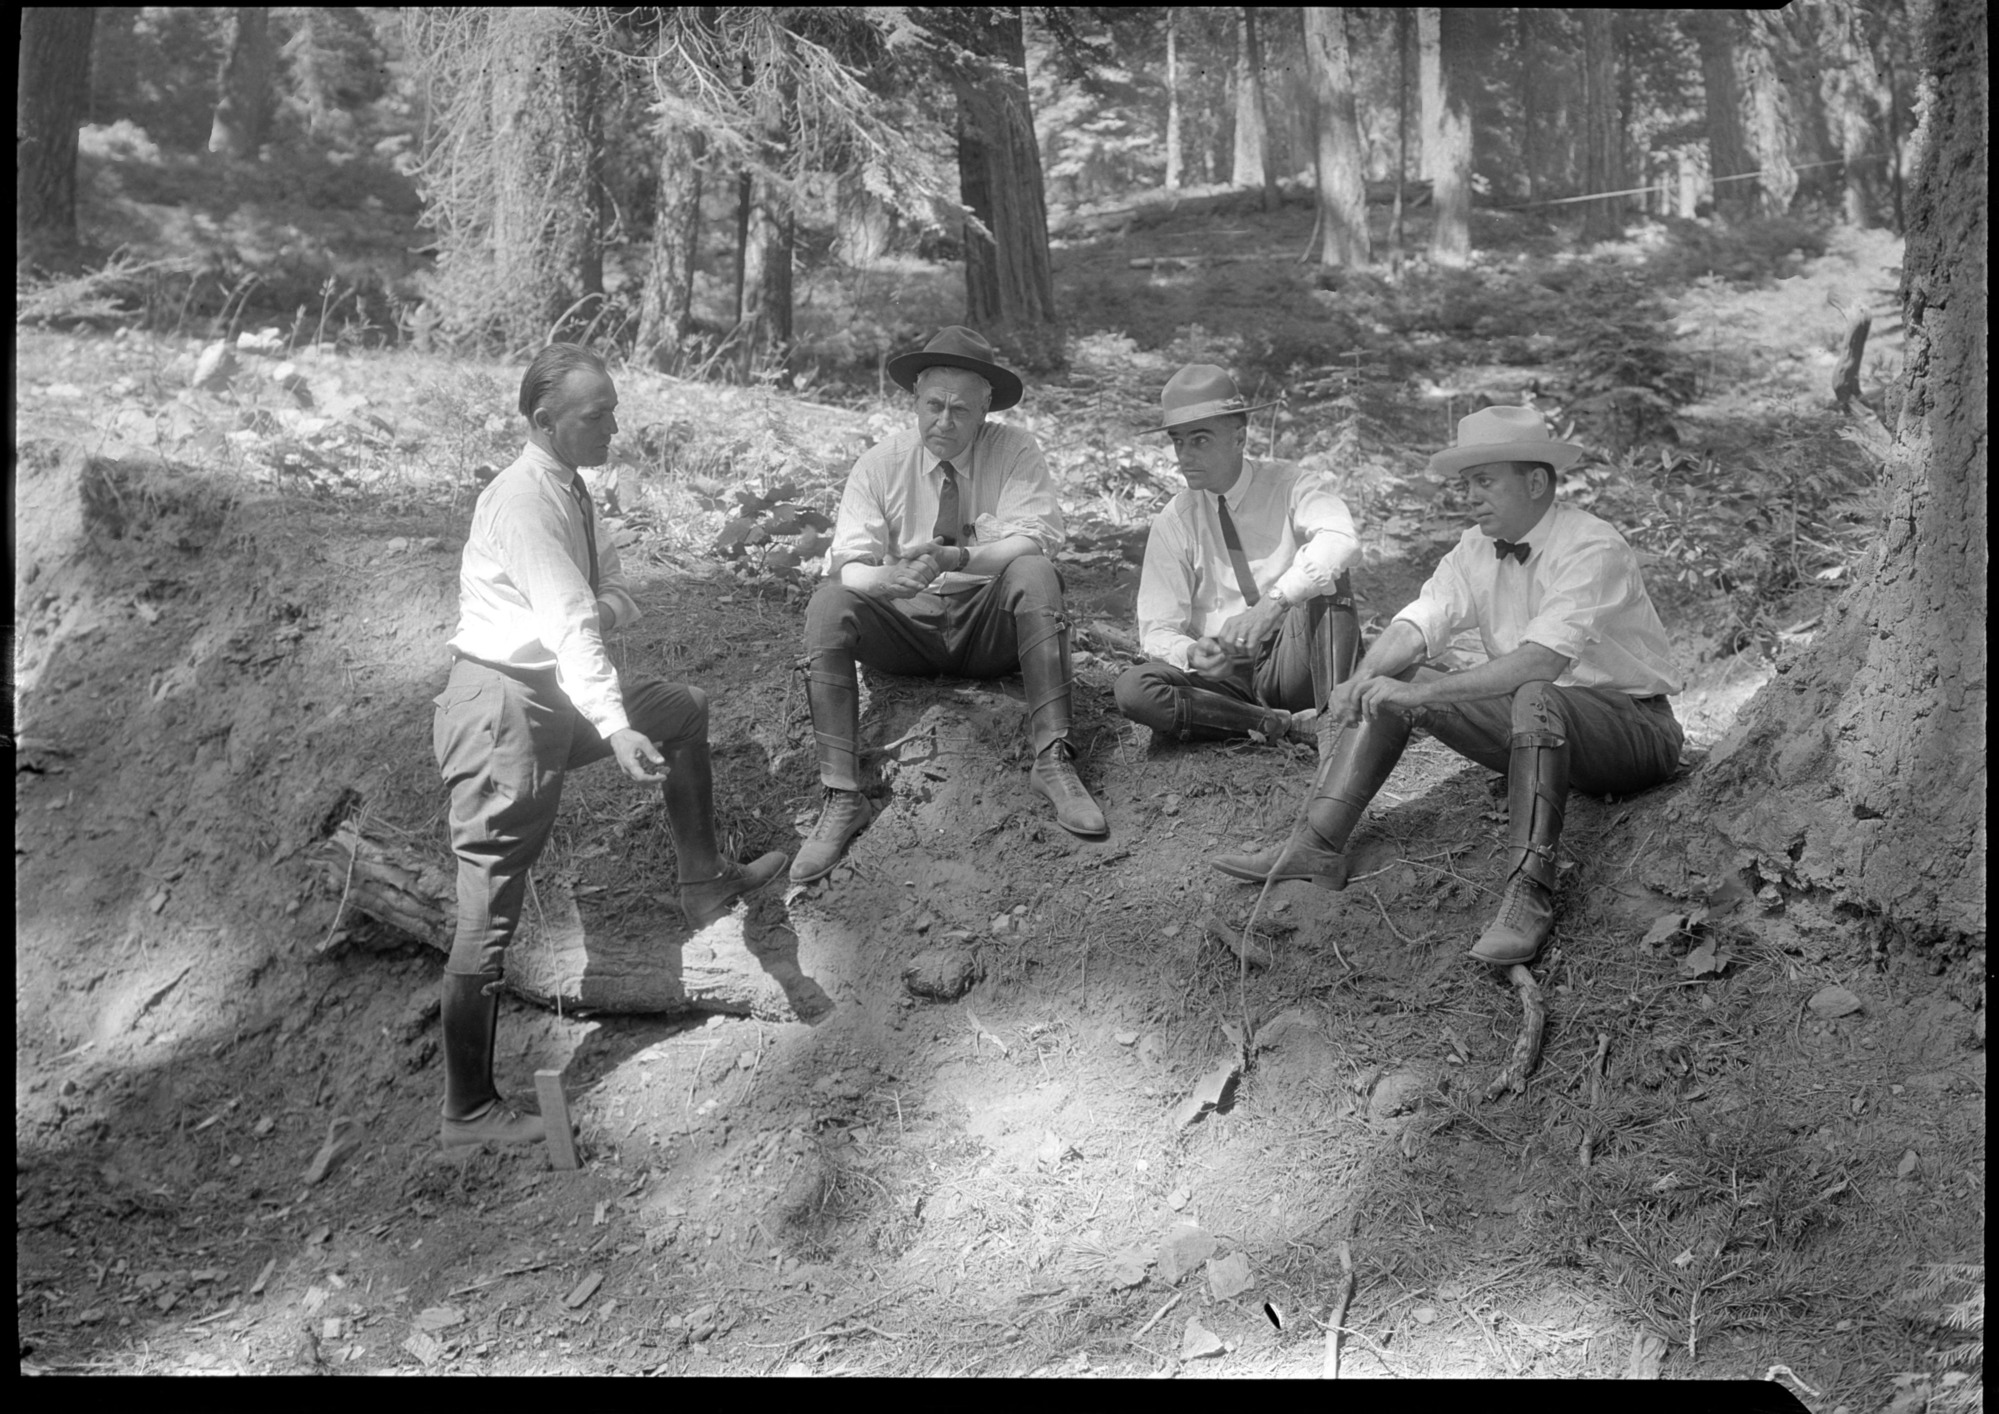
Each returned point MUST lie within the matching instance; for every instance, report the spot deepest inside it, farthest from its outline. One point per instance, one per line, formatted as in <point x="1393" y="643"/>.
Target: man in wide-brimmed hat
<point x="1244" y="603"/>
<point x="940" y="564"/>
<point x="1573" y="690"/>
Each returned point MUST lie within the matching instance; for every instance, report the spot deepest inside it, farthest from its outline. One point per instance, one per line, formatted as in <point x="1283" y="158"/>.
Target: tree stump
<point x="1846" y="377"/>
<point x="744" y="964"/>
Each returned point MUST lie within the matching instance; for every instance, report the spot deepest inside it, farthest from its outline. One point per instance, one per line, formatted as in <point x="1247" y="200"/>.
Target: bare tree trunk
<point x="1856" y="100"/>
<point x="1860" y="769"/>
<point x="666" y="299"/>
<point x="1252" y="135"/>
<point x="1009" y="280"/>
<point x="52" y="91"/>
<point x="1342" y="182"/>
<point x="1735" y="191"/>
<point x="1395" y="257"/>
<point x="763" y="309"/>
<point x="1172" y="100"/>
<point x="247" y="98"/>
<point x="1525" y="42"/>
<point x="1447" y="133"/>
<point x="542" y="229"/>
<point x="1601" y="219"/>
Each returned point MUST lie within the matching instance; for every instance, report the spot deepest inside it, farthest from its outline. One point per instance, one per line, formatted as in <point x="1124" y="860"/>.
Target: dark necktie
<point x="1502" y="548"/>
<point x="1245" y="581"/>
<point x="582" y="494"/>
<point x="950" y="530"/>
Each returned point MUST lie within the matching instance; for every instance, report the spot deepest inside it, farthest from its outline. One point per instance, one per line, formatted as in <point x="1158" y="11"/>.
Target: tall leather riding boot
<point x="833" y="692"/>
<point x="709" y="884"/>
<point x="474" y="1113"/>
<point x="1537" y="789"/>
<point x="1347" y="781"/>
<point x="1046" y="674"/>
<point x="1335" y="653"/>
<point x="1201" y="715"/>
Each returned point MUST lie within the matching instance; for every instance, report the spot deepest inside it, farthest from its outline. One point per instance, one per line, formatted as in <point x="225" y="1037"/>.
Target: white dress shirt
<point x="1579" y="593"/>
<point x="1296" y="533"/>
<point x="524" y="597"/>
<point x="1004" y="488"/>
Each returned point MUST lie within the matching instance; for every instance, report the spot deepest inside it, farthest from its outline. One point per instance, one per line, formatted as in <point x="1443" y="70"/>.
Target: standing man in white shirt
<point x="940" y="563"/>
<point x="1244" y="603"/>
<point x="1573" y="690"/>
<point x="533" y="695"/>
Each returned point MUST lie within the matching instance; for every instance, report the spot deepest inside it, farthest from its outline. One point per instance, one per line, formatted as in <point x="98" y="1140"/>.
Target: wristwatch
<point x="1280" y="596"/>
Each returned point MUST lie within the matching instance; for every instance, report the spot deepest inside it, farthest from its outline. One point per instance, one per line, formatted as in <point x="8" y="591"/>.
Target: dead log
<point x="745" y="964"/>
<point x="1846" y="377"/>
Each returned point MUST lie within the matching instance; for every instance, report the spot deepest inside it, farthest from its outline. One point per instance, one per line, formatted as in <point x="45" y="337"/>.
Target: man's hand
<point x="1245" y="634"/>
<point x="901" y="578"/>
<point x="637" y="756"/>
<point x="1208" y="659"/>
<point x="1373" y="696"/>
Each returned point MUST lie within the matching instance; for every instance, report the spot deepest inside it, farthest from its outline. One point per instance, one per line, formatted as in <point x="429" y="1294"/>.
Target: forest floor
<point x="1756" y="1125"/>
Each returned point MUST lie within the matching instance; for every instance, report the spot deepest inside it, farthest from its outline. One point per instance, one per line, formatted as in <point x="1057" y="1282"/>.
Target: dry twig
<point x="1336" y="1322"/>
<point x="1527" y="1049"/>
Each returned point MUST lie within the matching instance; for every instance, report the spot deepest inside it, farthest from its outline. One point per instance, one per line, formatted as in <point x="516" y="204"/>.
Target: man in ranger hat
<point x="1573" y="690"/>
<point x="1244" y="602"/>
<point x="940" y="564"/>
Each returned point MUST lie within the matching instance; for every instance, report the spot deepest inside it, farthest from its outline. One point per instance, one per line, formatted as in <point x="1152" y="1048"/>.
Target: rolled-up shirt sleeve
<point x="529" y="536"/>
<point x="1166" y="594"/>
<point x="1028" y="504"/>
<point x="1329" y="542"/>
<point x="1593" y="582"/>
<point x="861" y="529"/>
<point x="1445" y="607"/>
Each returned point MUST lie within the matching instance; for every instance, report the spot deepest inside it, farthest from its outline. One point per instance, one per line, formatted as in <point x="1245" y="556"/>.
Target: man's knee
<point x="1143" y="695"/>
<point x="829" y="617"/>
<point x="1033" y="579"/>
<point x="668" y="713"/>
<point x="1537" y="708"/>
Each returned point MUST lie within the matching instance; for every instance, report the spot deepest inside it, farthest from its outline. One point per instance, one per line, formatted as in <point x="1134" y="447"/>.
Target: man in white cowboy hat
<point x="940" y="564"/>
<point x="1573" y="690"/>
<point x="1244" y="603"/>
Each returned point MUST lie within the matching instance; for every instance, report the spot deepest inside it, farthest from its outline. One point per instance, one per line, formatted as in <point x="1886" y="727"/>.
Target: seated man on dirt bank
<point x="533" y="695"/>
<point x="1244" y="602"/>
<point x="940" y="564"/>
<point x="1574" y="689"/>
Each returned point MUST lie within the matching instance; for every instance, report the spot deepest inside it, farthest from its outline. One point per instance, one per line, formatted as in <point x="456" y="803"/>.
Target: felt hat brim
<point x="1199" y="412"/>
<point x="1007" y="388"/>
<point x="1452" y="460"/>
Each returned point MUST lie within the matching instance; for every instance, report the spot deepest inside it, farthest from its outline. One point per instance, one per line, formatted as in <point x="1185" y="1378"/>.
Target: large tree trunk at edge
<point x="1342" y="182"/>
<point x="1009" y="280"/>
<point x="1860" y="769"/>
<point x="51" y="94"/>
<point x="1443" y="38"/>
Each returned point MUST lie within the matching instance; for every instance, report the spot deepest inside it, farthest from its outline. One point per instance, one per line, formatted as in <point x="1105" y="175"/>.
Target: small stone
<point x="1178" y="1199"/>
<point x="215" y="368"/>
<point x="1830" y="1002"/>
<point x="1125" y="1038"/>
<point x="1184" y="1248"/>
<point x="1198" y="1341"/>
<point x="1424" y="1315"/>
<point x="1228" y="1276"/>
<point x="942" y="973"/>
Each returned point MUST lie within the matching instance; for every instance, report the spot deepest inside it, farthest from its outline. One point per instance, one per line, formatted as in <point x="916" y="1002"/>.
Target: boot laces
<point x="836" y="812"/>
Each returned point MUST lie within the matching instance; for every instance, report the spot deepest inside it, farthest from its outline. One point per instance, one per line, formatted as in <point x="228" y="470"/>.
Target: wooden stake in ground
<point x="555" y="1118"/>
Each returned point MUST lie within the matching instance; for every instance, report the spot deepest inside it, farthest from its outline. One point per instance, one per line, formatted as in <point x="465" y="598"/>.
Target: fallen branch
<point x="1527" y="1049"/>
<point x="1595" y="1097"/>
<point x="1157" y="1317"/>
<point x="1336" y="1323"/>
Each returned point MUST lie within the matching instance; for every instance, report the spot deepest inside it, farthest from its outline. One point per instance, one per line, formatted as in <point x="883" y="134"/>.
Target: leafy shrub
<point x="772" y="536"/>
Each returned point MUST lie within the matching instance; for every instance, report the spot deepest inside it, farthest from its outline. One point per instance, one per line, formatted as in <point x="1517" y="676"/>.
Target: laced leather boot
<point x="1537" y="789"/>
<point x="1201" y="715"/>
<point x="474" y="1112"/>
<point x="833" y="692"/>
<point x="1348" y="779"/>
<point x="1045" y="673"/>
<point x="716" y="883"/>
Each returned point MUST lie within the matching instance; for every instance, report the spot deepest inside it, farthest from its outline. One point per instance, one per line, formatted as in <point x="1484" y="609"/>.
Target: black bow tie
<point x="1502" y="548"/>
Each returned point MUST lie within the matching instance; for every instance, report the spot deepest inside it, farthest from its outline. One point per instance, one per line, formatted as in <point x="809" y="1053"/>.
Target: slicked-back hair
<point x="550" y="367"/>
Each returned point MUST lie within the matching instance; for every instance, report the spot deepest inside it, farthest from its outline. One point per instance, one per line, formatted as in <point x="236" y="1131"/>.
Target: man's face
<point x="950" y="408"/>
<point x="1503" y="499"/>
<point x="1210" y="451"/>
<point x="580" y="418"/>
